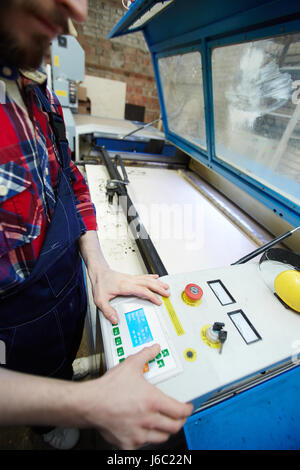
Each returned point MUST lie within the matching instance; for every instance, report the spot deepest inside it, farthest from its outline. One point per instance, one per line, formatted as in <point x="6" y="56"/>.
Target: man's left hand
<point x="112" y="283"/>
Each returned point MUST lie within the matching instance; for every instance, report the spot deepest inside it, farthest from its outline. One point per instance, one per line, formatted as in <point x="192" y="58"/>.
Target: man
<point x="46" y="221"/>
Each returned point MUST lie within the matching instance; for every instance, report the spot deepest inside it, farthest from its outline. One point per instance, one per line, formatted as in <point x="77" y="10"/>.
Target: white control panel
<point x="139" y="326"/>
<point x="204" y="307"/>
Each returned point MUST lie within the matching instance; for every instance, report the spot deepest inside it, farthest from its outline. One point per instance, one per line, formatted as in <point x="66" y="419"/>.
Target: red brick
<point x="125" y="58"/>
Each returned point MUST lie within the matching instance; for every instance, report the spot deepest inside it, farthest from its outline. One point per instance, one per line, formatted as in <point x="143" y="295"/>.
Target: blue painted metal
<point x="137" y="9"/>
<point x="119" y="145"/>
<point x="265" y="417"/>
<point x="199" y="18"/>
<point x="207" y="86"/>
<point x="159" y="91"/>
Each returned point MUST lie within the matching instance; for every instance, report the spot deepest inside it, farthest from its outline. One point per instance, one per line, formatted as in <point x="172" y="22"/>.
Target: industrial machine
<point x="229" y="336"/>
<point x="227" y="77"/>
<point x="66" y="73"/>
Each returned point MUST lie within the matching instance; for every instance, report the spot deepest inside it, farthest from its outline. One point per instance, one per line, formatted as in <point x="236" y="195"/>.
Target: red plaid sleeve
<point x="84" y="204"/>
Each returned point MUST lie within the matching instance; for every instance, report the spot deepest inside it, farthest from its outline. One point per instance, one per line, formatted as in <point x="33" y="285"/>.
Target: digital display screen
<point x="138" y="327"/>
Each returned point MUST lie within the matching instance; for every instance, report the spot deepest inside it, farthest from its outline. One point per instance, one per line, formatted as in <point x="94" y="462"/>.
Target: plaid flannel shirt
<point x="29" y="170"/>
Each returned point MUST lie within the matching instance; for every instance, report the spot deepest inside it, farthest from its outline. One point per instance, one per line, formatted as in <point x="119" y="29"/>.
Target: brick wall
<point x="126" y="59"/>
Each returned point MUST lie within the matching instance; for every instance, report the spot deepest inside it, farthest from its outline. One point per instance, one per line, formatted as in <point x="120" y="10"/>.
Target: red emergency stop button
<point x="192" y="295"/>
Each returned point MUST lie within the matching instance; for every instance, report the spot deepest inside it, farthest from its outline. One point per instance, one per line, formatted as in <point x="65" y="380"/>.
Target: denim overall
<point x="41" y="322"/>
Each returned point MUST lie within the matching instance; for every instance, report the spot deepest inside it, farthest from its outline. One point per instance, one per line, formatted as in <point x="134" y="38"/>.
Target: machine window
<point x="181" y="77"/>
<point x="256" y="90"/>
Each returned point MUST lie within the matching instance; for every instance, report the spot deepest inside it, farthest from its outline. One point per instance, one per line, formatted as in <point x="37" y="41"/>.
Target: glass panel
<point x="257" y="110"/>
<point x="181" y="77"/>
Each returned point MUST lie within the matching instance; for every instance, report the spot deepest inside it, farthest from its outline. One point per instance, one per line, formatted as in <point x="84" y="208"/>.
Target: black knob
<point x="217" y="326"/>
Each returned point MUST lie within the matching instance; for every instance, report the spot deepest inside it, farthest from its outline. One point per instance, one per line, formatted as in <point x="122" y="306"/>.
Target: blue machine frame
<point x="216" y="23"/>
<point x="265" y="416"/>
<point x="134" y="145"/>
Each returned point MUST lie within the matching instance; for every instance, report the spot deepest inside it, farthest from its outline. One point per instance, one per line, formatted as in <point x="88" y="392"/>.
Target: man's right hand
<point x="129" y="411"/>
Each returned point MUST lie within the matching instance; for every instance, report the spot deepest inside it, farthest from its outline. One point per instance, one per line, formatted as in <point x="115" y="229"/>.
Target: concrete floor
<point x="22" y="438"/>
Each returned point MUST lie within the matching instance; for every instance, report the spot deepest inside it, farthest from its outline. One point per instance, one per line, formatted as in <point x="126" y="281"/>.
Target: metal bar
<point x="265" y="247"/>
<point x="144" y="243"/>
<point x="139" y="129"/>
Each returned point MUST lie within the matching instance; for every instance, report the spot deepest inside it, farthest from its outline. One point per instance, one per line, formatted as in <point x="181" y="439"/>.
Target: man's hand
<point x="127" y="410"/>
<point x="111" y="284"/>
<point x="107" y="284"/>
<point x="122" y="405"/>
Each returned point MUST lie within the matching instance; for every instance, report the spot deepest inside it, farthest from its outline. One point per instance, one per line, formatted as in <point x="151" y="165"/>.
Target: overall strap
<point x="58" y="126"/>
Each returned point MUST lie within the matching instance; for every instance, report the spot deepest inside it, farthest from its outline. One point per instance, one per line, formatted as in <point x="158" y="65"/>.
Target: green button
<point x="114" y="324"/>
<point x="152" y="360"/>
<point x="158" y="356"/>
<point x="120" y="351"/>
<point x="160" y="363"/>
<point x="116" y="331"/>
<point x="118" y="341"/>
<point x="165" y="353"/>
<point x="121" y="360"/>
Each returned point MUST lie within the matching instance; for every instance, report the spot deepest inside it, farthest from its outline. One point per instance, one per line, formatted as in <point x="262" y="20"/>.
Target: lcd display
<point x="138" y="327"/>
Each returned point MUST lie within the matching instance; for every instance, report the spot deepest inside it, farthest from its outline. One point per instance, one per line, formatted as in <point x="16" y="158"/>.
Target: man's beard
<point x="16" y="55"/>
<point x="13" y="51"/>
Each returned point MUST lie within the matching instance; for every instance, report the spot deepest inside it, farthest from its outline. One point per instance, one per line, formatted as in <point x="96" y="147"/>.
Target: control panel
<point x="139" y="326"/>
<point x="219" y="329"/>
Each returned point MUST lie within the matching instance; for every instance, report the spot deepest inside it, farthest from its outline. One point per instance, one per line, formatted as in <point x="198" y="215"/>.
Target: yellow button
<point x="3" y="190"/>
<point x="190" y="355"/>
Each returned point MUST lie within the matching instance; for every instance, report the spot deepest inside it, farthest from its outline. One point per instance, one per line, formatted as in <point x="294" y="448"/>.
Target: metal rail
<point x="144" y="243"/>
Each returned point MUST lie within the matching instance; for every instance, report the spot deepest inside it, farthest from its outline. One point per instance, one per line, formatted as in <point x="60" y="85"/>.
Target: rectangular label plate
<point x="244" y="326"/>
